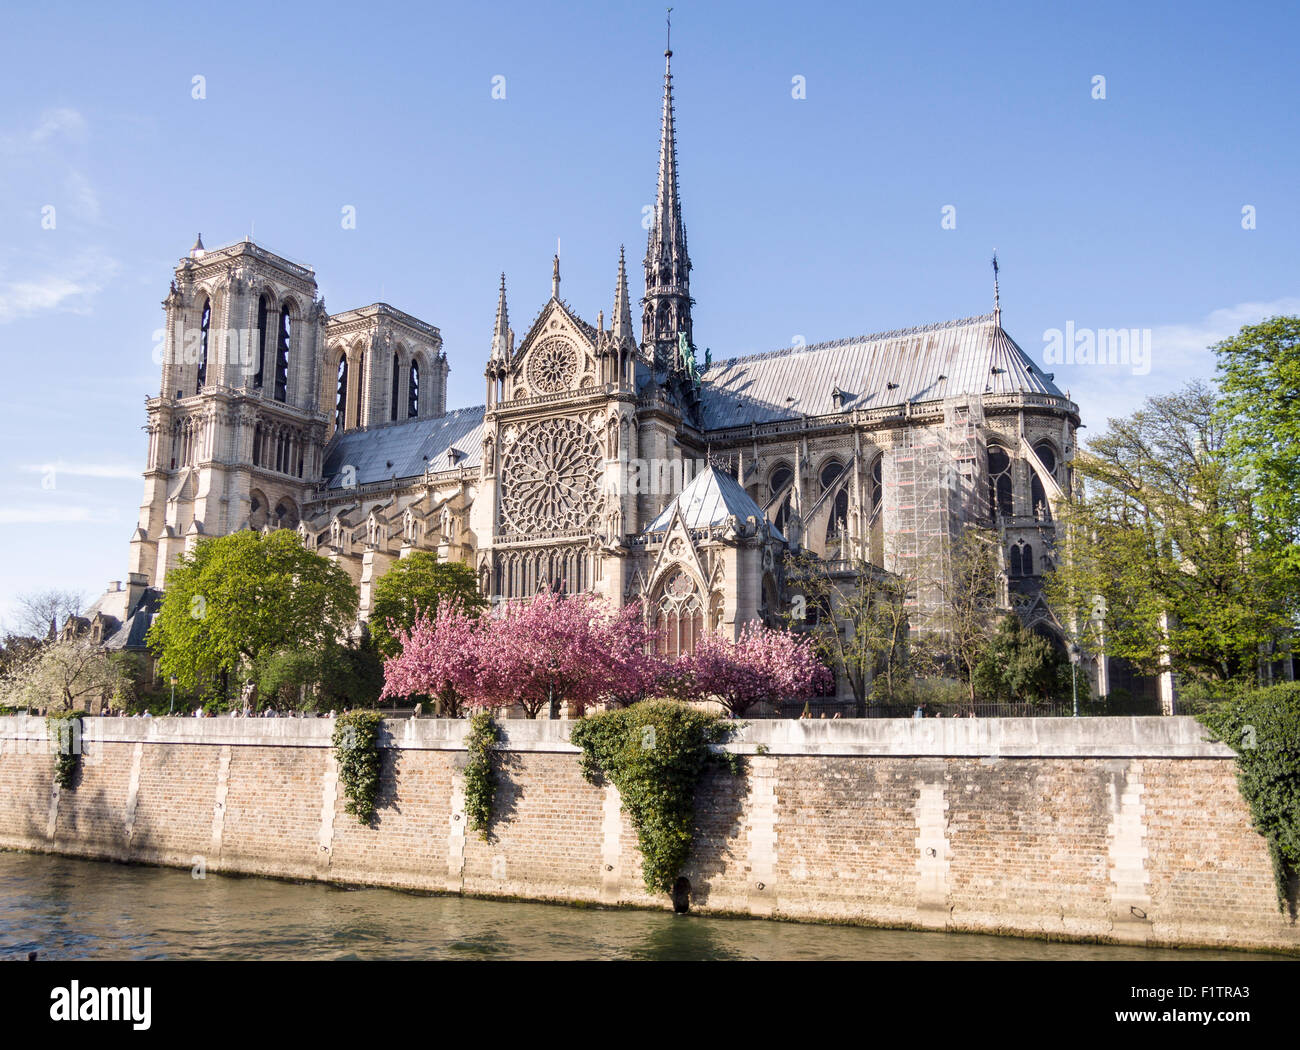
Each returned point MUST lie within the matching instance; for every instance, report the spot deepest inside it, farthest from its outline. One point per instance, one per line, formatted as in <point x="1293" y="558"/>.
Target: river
<point x="67" y="908"/>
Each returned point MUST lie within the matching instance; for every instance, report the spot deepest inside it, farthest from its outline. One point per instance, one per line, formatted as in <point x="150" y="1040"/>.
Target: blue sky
<point x="809" y="218"/>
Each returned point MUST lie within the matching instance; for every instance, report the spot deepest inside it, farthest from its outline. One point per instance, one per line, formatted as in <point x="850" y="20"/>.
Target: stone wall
<point x="1119" y="829"/>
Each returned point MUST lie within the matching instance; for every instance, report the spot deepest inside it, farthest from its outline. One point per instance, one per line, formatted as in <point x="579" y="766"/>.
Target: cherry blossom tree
<point x="443" y="656"/>
<point x="763" y="664"/>
<point x="558" y="648"/>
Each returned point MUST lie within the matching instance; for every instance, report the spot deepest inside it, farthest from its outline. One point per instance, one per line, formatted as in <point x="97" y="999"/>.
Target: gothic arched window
<point x="1020" y="560"/>
<point x="1038" y="499"/>
<point x="263" y="326"/>
<point x="776" y="482"/>
<point x="877" y="485"/>
<point x="1037" y="496"/>
<point x="1047" y="455"/>
<point x="205" y="324"/>
<point x="361" y="386"/>
<point x="282" y="357"/>
<point x="839" y="520"/>
<point x="341" y="393"/>
<point x="257" y="445"/>
<point x="413" y="393"/>
<point x="1000" y="500"/>
<point x="397" y="384"/>
<point x="679" y="615"/>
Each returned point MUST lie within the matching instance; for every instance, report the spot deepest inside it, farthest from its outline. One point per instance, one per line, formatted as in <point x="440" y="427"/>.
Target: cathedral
<point x="608" y="455"/>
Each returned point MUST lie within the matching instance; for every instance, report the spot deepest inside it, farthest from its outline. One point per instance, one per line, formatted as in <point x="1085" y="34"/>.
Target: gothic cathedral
<point x="601" y="460"/>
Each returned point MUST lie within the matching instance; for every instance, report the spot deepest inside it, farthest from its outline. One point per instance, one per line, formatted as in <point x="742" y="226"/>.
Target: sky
<point x="845" y="169"/>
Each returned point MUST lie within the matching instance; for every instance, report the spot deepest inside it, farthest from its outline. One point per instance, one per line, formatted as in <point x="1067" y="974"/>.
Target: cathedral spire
<point x="667" y="266"/>
<point x="621" y="318"/>
<point x="501" y="330"/>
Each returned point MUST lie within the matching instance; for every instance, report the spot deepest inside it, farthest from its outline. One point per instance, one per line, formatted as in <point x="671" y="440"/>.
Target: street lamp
<point x="172" y="706"/>
<point x="1074" y="676"/>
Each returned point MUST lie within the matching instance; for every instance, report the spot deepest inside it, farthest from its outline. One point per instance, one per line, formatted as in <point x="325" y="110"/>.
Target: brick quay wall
<point x="1128" y="830"/>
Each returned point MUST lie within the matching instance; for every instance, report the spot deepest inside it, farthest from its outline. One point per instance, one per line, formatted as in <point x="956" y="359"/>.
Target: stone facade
<point x="1123" y="830"/>
<point x="576" y="471"/>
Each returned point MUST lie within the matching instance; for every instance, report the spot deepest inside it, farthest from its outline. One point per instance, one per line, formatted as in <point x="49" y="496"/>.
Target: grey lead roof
<point x="709" y="500"/>
<point x="969" y="356"/>
<point x="406" y="449"/>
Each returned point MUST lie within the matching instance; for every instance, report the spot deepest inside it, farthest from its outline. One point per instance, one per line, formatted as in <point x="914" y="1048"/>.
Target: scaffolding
<point x="935" y="484"/>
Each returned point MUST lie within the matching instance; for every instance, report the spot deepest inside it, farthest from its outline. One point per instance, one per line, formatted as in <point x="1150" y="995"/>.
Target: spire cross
<point x="669" y="50"/>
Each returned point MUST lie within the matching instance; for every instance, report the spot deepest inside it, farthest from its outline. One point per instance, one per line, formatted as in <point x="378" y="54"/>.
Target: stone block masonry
<point x="1128" y="830"/>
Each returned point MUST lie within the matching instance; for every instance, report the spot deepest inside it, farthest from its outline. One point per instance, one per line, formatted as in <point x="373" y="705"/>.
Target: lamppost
<point x="172" y="706"/>
<point x="1074" y="676"/>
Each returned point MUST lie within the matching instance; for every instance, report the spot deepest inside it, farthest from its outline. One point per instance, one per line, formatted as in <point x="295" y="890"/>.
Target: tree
<point x="558" y="648"/>
<point x="1164" y="565"/>
<point x="968" y="600"/>
<point x="419" y="583"/>
<point x="858" y="621"/>
<point x="1259" y="380"/>
<point x="237" y="597"/>
<point x="1021" y="666"/>
<point x="66" y="676"/>
<point x="442" y="655"/>
<point x="763" y="664"/>
<point x="334" y="675"/>
<point x="37" y="610"/>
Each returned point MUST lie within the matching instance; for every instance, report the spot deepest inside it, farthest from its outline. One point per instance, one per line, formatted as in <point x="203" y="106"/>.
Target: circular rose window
<point x="550" y="480"/>
<point x="553" y="366"/>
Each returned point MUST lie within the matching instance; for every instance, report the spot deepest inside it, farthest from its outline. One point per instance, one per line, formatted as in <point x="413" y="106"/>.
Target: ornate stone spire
<point x="501" y="330"/>
<point x="621" y="318"/>
<point x="667" y="265"/>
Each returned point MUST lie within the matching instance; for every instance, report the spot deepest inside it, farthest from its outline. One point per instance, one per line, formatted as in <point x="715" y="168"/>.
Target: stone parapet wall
<point x="1116" y="829"/>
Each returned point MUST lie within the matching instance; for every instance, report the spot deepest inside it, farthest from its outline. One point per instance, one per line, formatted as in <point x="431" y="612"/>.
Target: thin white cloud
<point x="68" y="289"/>
<point x="1180" y="353"/>
<point x="58" y="123"/>
<point x="83" y="470"/>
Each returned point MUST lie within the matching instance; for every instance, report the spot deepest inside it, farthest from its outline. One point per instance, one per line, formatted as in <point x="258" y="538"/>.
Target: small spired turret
<point x="499" y="356"/>
<point x="617" y="347"/>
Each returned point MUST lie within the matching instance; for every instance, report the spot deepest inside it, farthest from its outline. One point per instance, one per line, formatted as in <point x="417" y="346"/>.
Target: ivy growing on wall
<point x="1263" y="727"/>
<point x="65" y="731"/>
<point x="655" y="753"/>
<point x="480" y="777"/>
<point x="356" y="749"/>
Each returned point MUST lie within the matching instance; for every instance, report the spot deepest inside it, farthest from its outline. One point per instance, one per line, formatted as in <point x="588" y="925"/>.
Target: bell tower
<point x="236" y="429"/>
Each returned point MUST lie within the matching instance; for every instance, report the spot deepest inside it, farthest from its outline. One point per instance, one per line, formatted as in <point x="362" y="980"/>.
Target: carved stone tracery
<point x="551" y="478"/>
<point x="553" y="365"/>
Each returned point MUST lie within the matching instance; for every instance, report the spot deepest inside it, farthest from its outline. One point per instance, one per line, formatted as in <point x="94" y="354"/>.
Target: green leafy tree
<point x="335" y="675"/>
<point x="235" y="599"/>
<point x="858" y="622"/>
<point x="1259" y="380"/>
<point x="419" y="583"/>
<point x="1019" y="665"/>
<point x="1162" y="565"/>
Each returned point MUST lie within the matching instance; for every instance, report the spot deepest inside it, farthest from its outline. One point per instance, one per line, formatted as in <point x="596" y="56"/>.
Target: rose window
<point x="552" y="366"/>
<point x="551" y="478"/>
